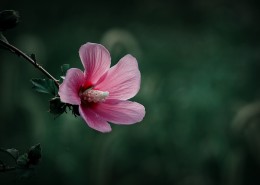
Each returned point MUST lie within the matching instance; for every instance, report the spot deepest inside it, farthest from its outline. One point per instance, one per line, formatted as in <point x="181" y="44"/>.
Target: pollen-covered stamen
<point x="95" y="96"/>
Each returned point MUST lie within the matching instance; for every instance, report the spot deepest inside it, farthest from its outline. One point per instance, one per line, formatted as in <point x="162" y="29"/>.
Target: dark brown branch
<point x="19" y="53"/>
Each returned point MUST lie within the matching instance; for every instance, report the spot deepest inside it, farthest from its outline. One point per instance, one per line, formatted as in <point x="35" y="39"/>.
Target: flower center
<point x="95" y="96"/>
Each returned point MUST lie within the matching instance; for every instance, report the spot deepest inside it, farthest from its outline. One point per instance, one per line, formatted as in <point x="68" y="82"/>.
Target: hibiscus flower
<point x="101" y="92"/>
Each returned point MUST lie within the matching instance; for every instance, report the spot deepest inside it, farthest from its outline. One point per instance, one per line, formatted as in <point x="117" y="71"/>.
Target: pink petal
<point x="120" y="111"/>
<point x="93" y="120"/>
<point x="69" y="89"/>
<point x="122" y="80"/>
<point x="95" y="59"/>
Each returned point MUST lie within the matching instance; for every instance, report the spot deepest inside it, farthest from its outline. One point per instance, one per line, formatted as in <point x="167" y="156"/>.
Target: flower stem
<point x="19" y="53"/>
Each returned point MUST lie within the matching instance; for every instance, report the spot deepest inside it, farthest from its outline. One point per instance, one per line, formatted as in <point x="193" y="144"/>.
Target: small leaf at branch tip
<point x="8" y="19"/>
<point x="33" y="57"/>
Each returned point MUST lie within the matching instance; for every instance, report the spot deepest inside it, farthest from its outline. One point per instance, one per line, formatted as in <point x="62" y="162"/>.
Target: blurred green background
<point x="200" y="63"/>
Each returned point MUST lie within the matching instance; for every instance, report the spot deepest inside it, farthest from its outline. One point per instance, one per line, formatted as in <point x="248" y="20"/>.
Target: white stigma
<point x="95" y="96"/>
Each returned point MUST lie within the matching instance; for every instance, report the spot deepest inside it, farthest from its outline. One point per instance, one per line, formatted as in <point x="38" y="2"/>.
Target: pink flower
<point x="102" y="92"/>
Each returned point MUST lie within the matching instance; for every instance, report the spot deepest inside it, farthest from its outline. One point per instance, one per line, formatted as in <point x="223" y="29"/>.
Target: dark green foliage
<point x="8" y="19"/>
<point x="33" y="57"/>
<point x="48" y="86"/>
<point x="14" y="152"/>
<point x="56" y="106"/>
<point x="35" y="154"/>
<point x="23" y="161"/>
<point x="75" y="110"/>
<point x="44" y="86"/>
<point x="23" y="164"/>
<point x="27" y="162"/>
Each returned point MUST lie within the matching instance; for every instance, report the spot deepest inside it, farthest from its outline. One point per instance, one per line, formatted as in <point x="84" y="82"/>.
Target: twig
<point x="19" y="53"/>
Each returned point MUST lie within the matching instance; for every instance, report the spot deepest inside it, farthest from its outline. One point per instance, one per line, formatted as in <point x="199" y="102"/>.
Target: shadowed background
<point x="200" y="65"/>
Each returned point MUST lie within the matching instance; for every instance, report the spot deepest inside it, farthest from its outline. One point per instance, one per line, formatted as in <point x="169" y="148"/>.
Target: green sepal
<point x="57" y="107"/>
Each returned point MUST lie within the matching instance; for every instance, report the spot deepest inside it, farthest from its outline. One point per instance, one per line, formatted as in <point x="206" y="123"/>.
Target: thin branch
<point x="19" y="53"/>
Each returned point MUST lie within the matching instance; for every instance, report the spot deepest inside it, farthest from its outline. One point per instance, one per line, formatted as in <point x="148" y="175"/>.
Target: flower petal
<point x="123" y="80"/>
<point x="93" y="120"/>
<point x="69" y="89"/>
<point x="120" y="111"/>
<point x="95" y="59"/>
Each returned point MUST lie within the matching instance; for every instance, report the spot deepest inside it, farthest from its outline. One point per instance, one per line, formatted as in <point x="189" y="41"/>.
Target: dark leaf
<point x="35" y="154"/>
<point x="8" y="19"/>
<point x="23" y="160"/>
<point x="8" y="157"/>
<point x="75" y="110"/>
<point x="57" y="107"/>
<point x="33" y="57"/>
<point x="44" y="86"/>
<point x="14" y="152"/>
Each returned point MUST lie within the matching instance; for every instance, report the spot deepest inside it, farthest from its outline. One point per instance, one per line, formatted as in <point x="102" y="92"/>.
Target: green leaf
<point x="14" y="152"/>
<point x="57" y="107"/>
<point x="44" y="86"/>
<point x="35" y="154"/>
<point x="33" y="57"/>
<point x="23" y="160"/>
<point x="75" y="110"/>
<point x="8" y="157"/>
<point x="32" y="157"/>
